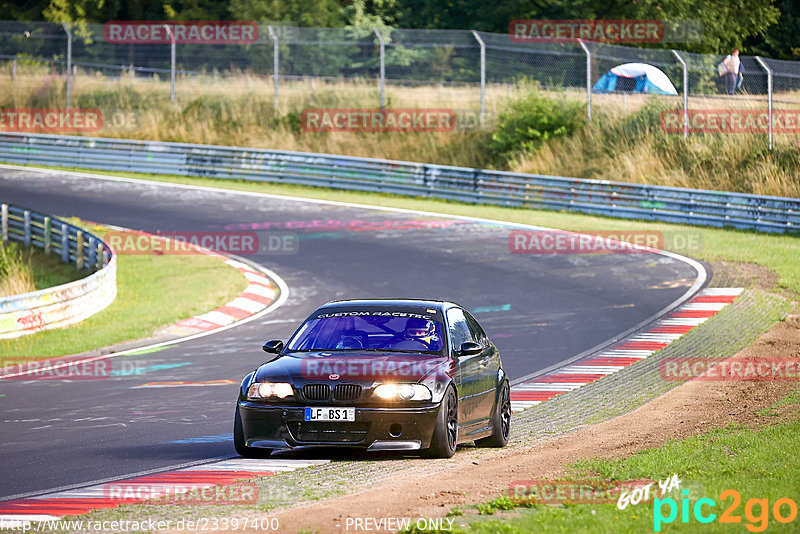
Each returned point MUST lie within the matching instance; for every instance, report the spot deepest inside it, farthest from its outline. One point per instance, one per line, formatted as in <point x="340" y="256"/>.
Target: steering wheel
<point x="349" y="342"/>
<point x="408" y="343"/>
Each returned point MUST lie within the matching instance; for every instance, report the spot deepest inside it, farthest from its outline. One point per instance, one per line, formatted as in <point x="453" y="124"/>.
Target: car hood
<point x="352" y="366"/>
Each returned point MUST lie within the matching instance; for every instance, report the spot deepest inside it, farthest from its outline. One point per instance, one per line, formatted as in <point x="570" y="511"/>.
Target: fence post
<point x="26" y="227"/>
<point x="685" y="94"/>
<point x="14" y="69"/>
<point x="275" y="66"/>
<point x="69" y="62"/>
<point x="171" y="62"/>
<point x="79" y="250"/>
<point x="383" y="66"/>
<point x="64" y="243"/>
<point x="483" y="73"/>
<point x="588" y="79"/>
<point x="92" y="253"/>
<point x="47" y="236"/>
<point x="769" y="94"/>
<point x="4" y="217"/>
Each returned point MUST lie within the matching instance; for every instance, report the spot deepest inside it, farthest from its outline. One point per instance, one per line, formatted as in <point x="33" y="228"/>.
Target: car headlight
<point x="403" y="392"/>
<point x="268" y="390"/>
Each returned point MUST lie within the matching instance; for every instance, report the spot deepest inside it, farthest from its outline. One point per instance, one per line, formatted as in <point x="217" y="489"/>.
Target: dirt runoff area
<point x="692" y="408"/>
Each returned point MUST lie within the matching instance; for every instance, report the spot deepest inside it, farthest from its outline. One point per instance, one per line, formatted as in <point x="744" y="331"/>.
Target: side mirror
<point x="469" y="348"/>
<point x="274" y="346"/>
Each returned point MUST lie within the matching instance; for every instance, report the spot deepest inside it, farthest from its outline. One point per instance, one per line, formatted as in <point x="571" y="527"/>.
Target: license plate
<point x="330" y="414"/>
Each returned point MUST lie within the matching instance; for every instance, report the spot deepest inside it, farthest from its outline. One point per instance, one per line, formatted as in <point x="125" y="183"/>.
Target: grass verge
<point x="778" y="253"/>
<point x="25" y="269"/>
<point x="152" y="292"/>
<point x="625" y="140"/>
<point x="758" y="465"/>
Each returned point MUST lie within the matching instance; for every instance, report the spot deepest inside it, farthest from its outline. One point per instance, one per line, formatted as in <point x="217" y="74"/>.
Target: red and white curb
<point x="257" y="296"/>
<point x="624" y="353"/>
<point x="53" y="506"/>
<point x="259" y="293"/>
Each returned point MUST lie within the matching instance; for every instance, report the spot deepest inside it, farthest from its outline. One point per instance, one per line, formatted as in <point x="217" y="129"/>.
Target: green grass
<point x="758" y="464"/>
<point x="521" y="133"/>
<point x="25" y="269"/>
<point x="634" y="148"/>
<point x="153" y="291"/>
<point x="48" y="270"/>
<point x="793" y="399"/>
<point x="779" y="253"/>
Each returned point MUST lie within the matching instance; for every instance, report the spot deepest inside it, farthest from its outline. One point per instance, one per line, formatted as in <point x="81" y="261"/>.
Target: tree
<point x="23" y="11"/>
<point x="782" y="40"/>
<point x="726" y="23"/>
<point x="316" y="13"/>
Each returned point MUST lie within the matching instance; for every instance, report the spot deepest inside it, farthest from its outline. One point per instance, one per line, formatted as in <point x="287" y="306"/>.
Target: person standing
<point x="732" y="64"/>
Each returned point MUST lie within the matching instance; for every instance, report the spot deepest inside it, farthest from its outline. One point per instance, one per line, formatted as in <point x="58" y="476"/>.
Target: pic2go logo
<point x="783" y="511"/>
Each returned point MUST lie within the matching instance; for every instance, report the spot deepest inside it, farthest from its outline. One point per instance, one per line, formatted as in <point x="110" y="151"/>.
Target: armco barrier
<point x="600" y="197"/>
<point x="65" y="304"/>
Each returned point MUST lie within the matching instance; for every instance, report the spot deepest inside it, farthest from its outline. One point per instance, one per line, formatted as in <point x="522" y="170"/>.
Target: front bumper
<point x="277" y="427"/>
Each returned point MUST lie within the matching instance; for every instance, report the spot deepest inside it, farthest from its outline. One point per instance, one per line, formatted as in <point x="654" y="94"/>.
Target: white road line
<point x="23" y="521"/>
<point x="703" y="306"/>
<point x="555" y="386"/>
<point x="216" y="317"/>
<point x="245" y="304"/>
<point x="682" y="321"/>
<point x="721" y="291"/>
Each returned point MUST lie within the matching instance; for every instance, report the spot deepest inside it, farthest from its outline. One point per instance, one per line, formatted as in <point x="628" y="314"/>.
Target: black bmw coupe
<point x="378" y="374"/>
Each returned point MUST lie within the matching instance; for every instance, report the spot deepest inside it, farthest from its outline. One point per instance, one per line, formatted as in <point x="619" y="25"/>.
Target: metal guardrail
<point x="67" y="303"/>
<point x="599" y="197"/>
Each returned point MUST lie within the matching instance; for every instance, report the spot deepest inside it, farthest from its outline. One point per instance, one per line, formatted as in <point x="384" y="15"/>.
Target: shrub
<point x="16" y="275"/>
<point x="533" y="120"/>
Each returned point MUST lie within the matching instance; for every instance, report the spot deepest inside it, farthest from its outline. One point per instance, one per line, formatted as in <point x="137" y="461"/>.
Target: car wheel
<point x="445" y="435"/>
<point x="239" y="442"/>
<point x="501" y="422"/>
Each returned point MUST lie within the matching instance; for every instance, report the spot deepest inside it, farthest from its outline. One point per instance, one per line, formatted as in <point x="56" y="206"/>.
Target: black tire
<point x="239" y="443"/>
<point x="501" y="421"/>
<point x="445" y="435"/>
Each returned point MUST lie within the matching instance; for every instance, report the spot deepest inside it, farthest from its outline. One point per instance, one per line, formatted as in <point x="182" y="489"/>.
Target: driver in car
<point x="420" y="330"/>
<point x="352" y="339"/>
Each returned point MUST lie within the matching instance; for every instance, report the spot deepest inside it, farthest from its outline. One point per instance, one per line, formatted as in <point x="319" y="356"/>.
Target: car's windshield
<point x="369" y="332"/>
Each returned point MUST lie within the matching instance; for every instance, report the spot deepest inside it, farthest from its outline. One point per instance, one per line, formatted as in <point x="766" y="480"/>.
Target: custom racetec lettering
<point x="359" y="313"/>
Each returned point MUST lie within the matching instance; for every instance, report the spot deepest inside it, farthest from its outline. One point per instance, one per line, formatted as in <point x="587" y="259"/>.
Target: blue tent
<point x="635" y="78"/>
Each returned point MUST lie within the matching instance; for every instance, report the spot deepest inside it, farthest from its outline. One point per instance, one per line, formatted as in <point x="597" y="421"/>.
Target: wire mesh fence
<point x="487" y="69"/>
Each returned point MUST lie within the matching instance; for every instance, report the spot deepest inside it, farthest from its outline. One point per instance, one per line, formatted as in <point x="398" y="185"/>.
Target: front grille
<point x="317" y="392"/>
<point x="329" y="432"/>
<point x="347" y="392"/>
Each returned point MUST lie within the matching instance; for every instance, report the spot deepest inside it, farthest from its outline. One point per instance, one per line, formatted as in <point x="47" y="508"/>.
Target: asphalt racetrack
<point x="540" y="309"/>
